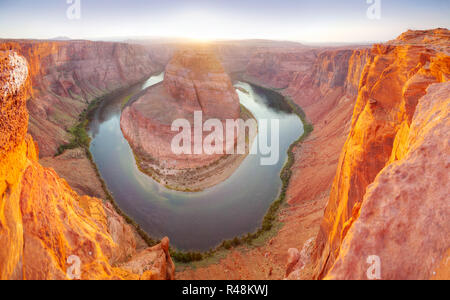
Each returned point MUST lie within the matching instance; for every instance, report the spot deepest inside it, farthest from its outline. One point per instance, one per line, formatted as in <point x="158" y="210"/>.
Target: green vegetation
<point x="80" y="138"/>
<point x="271" y="216"/>
<point x="125" y="100"/>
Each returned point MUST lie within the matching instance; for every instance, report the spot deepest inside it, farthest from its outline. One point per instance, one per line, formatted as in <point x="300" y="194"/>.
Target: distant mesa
<point x="61" y="38"/>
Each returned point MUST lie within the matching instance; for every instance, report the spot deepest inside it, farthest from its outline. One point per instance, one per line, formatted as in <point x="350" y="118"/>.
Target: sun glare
<point x="200" y="26"/>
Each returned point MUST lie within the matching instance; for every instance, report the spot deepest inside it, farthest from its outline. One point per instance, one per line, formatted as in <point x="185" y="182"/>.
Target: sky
<point x="314" y="21"/>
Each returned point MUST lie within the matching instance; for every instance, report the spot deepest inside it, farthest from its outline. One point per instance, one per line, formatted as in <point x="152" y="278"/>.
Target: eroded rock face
<point x="197" y="79"/>
<point x="43" y="221"/>
<point x="403" y="218"/>
<point x="396" y="76"/>
<point x="67" y="76"/>
<point x="278" y="67"/>
<point x="328" y="104"/>
<point x="194" y="81"/>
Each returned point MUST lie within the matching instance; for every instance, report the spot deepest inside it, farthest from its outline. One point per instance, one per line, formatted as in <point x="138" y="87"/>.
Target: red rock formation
<point x="391" y="218"/>
<point x="197" y="79"/>
<point x="403" y="218"/>
<point x="67" y="75"/>
<point x="329" y="106"/>
<point x="394" y="79"/>
<point x="194" y="81"/>
<point x="278" y="67"/>
<point x="43" y="222"/>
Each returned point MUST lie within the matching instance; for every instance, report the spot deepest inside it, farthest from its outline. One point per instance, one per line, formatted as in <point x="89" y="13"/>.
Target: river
<point x="201" y="220"/>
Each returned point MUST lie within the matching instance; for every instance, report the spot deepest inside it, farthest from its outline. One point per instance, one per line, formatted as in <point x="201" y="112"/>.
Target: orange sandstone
<point x="43" y="221"/>
<point x="394" y="81"/>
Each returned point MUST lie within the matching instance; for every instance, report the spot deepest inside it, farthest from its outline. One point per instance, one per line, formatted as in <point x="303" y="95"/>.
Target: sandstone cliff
<point x="328" y="101"/>
<point x="403" y="218"/>
<point x="46" y="229"/>
<point x="390" y="102"/>
<point x="195" y="81"/>
<point x="388" y="196"/>
<point x="66" y="76"/>
<point x="278" y="67"/>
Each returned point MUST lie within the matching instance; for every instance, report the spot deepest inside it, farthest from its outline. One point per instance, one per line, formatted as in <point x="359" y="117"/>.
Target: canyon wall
<point x="380" y="117"/>
<point x="239" y="57"/>
<point x="308" y="77"/>
<point x="66" y="76"/>
<point x="315" y="78"/>
<point x="395" y="77"/>
<point x="278" y="67"/>
<point x="48" y="230"/>
<point x="194" y="81"/>
<point x="388" y="196"/>
<point x="403" y="218"/>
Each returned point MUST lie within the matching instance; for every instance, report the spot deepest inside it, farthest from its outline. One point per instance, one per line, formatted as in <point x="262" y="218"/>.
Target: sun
<point x="200" y="26"/>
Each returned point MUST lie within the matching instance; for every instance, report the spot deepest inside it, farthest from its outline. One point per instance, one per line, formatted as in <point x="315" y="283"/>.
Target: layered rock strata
<point x="379" y="204"/>
<point x="195" y="82"/>
<point x="390" y="102"/>
<point x="47" y="230"/>
<point x="328" y="104"/>
<point x="67" y="75"/>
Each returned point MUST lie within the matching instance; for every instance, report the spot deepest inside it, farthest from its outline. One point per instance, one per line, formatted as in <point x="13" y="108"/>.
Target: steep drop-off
<point x="379" y="184"/>
<point x="46" y="229"/>
<point x="403" y="218"/>
<point x="66" y="76"/>
<point x="389" y="196"/>
<point x="328" y="104"/>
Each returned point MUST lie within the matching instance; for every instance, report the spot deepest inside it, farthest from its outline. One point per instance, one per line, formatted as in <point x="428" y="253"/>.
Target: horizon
<point x="303" y="21"/>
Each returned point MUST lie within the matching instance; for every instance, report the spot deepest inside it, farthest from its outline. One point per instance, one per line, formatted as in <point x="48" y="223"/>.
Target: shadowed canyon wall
<point x="43" y="222"/>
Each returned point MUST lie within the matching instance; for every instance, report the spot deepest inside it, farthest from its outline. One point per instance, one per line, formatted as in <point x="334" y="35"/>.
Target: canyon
<point x="368" y="125"/>
<point x="371" y="179"/>
<point x="67" y="76"/>
<point x="44" y="222"/>
<point x="194" y="83"/>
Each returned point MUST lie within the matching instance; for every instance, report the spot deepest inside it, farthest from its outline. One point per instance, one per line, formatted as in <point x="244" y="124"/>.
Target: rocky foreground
<point x="49" y="231"/>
